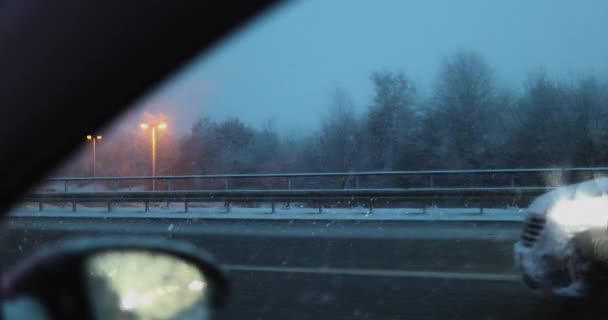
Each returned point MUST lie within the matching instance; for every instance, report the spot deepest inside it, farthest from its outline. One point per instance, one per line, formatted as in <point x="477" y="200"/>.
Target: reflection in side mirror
<point x="119" y="278"/>
<point x="145" y="285"/>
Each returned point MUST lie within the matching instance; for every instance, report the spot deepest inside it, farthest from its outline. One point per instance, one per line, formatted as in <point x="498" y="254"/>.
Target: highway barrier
<point x="319" y="197"/>
<point x="529" y="177"/>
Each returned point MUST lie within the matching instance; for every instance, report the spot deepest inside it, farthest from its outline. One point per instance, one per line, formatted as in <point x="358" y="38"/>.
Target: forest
<point x="467" y="120"/>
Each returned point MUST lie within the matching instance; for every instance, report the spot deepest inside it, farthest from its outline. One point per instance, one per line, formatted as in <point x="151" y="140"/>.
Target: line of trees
<point x="467" y="121"/>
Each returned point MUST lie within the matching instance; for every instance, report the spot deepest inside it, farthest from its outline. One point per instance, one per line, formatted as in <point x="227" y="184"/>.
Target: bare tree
<point x="543" y="136"/>
<point x="464" y="107"/>
<point x="339" y="136"/>
<point x="590" y="116"/>
<point x="389" y="119"/>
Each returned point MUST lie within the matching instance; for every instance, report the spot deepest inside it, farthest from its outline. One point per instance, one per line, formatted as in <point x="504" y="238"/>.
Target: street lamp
<point x="145" y="126"/>
<point x="94" y="139"/>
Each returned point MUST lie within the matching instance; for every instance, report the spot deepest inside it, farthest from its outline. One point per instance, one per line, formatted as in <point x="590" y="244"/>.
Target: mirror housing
<point x="56" y="276"/>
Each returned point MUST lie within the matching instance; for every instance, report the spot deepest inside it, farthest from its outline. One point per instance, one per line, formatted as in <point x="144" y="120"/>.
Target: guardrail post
<point x="109" y="206"/>
<point x="227" y="205"/>
<point x="287" y="205"/>
<point x="272" y="210"/>
<point x="73" y="206"/>
<point x="371" y="206"/>
<point x="185" y="205"/>
<point x="114" y="185"/>
<point x="226" y="184"/>
<point x="356" y="182"/>
<point x="40" y="206"/>
<point x="480" y="208"/>
<point x="146" y="206"/>
<point x="65" y="186"/>
<point x="320" y="207"/>
<point x="168" y="185"/>
<point x="512" y="180"/>
<point x="431" y="182"/>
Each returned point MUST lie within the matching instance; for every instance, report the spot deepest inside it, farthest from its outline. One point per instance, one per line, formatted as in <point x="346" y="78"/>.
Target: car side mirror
<point x="119" y="278"/>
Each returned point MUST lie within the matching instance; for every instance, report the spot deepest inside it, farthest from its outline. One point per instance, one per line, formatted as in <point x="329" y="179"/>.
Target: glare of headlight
<point x="581" y="213"/>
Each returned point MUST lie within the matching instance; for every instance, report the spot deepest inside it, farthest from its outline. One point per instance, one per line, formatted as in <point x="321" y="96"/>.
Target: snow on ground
<point x="219" y="211"/>
<point x="58" y="186"/>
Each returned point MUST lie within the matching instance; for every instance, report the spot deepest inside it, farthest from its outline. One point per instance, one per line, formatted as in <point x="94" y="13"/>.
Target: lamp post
<point x="145" y="126"/>
<point x="94" y="139"/>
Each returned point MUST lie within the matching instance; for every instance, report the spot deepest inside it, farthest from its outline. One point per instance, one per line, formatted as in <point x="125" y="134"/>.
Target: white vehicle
<point x="563" y="250"/>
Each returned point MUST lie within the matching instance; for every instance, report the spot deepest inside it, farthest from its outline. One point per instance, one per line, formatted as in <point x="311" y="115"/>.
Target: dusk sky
<point x="285" y="65"/>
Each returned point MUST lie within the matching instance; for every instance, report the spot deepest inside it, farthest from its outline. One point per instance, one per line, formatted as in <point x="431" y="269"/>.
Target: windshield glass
<point x="367" y="160"/>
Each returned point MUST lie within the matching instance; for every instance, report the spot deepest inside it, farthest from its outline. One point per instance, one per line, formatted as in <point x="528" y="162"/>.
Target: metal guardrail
<point x="288" y="193"/>
<point x="429" y="175"/>
<point x="341" y="174"/>
<point x="320" y="196"/>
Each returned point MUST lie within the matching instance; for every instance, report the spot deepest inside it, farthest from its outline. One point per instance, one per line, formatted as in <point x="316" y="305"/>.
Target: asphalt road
<point x="324" y="269"/>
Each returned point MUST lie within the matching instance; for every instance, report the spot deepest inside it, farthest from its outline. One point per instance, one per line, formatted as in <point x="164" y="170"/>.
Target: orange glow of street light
<point x="144" y="126"/>
<point x="94" y="138"/>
